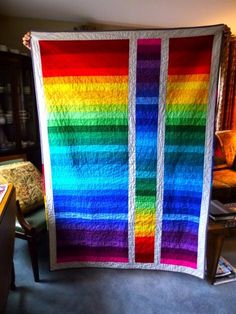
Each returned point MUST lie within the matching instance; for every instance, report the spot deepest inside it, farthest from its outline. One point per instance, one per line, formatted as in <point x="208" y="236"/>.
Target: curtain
<point x="231" y="97"/>
<point x="226" y="107"/>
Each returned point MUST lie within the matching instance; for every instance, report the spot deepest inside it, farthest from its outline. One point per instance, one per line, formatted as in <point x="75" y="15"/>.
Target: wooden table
<point x="7" y="236"/>
<point x="217" y="231"/>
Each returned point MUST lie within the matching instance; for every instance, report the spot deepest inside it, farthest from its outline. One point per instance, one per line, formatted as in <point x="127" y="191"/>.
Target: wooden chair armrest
<point x="20" y="217"/>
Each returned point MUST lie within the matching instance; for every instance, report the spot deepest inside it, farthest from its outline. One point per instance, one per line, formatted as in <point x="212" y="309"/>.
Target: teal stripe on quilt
<point x="88" y="148"/>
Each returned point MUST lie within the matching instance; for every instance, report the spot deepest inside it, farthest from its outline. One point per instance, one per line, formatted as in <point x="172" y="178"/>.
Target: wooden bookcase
<point x="19" y="132"/>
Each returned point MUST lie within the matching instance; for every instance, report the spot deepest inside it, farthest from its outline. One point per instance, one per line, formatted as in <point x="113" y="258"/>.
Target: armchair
<point x="31" y="222"/>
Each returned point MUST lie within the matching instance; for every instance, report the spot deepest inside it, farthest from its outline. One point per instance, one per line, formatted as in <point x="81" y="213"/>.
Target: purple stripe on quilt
<point x="92" y="238"/>
<point x="178" y="254"/>
<point x="179" y="236"/>
<point x="180" y="245"/>
<point x="78" y="251"/>
<point x="142" y="64"/>
<point x="74" y="224"/>
<point x="188" y="226"/>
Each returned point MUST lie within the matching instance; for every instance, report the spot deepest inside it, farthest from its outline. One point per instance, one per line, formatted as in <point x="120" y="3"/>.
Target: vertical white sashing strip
<point x="42" y="114"/>
<point x="160" y="147"/>
<point x="131" y="144"/>
<point x="207" y="173"/>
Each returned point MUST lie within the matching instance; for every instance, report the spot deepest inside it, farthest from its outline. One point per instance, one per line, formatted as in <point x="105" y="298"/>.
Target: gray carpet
<point x="111" y="291"/>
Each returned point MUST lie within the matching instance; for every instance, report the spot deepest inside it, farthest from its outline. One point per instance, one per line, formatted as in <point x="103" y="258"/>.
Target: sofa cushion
<point x="227" y="139"/>
<point x="220" y="191"/>
<point x="28" y="184"/>
<point x="219" y="154"/>
<point x="226" y="177"/>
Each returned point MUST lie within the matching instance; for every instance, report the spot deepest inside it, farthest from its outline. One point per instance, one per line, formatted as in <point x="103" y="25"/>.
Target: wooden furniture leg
<point x="34" y="257"/>
<point x="7" y="232"/>
<point x="214" y="246"/>
<point x="13" y="286"/>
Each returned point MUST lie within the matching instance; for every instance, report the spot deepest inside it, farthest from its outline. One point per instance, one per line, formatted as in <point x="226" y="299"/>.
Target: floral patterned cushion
<point x="27" y="181"/>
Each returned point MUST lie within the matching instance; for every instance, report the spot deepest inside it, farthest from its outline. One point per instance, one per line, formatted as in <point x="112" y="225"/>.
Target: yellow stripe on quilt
<point x="188" y="78"/>
<point x="189" y="85"/>
<point x="89" y="95"/>
<point x="145" y="218"/>
<point x="87" y="106"/>
<point x="58" y="88"/>
<point x="196" y="96"/>
<point x="145" y="223"/>
<point x="86" y="97"/>
<point x="144" y="231"/>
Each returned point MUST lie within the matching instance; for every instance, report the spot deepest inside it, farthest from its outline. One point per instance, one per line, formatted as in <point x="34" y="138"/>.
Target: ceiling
<point x="154" y="13"/>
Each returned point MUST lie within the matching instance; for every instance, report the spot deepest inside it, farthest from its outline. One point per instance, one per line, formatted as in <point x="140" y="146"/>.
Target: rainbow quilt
<point x="127" y="122"/>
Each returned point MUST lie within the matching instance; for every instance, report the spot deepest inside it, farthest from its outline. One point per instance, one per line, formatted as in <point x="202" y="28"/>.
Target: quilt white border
<point x="133" y="35"/>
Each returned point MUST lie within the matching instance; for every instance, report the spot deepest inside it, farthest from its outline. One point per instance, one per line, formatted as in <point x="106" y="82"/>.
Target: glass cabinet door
<point x="27" y="110"/>
<point x="8" y="140"/>
<point x="18" y="114"/>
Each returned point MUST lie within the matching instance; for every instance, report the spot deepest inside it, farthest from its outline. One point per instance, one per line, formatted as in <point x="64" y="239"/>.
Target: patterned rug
<point x="127" y="122"/>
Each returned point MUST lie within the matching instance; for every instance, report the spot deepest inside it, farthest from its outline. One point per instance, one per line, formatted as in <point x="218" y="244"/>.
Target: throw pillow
<point x="28" y="184"/>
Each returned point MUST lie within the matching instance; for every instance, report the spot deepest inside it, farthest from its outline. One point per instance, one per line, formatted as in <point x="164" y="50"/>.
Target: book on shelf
<point x="220" y="211"/>
<point x="225" y="272"/>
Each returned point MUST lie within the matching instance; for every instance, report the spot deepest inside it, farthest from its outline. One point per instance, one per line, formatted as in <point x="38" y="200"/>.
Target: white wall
<point x="149" y="13"/>
<point x="121" y="13"/>
<point x="12" y="29"/>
